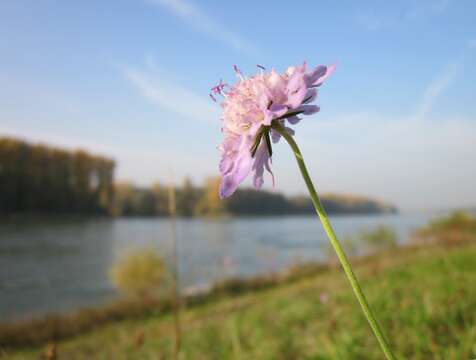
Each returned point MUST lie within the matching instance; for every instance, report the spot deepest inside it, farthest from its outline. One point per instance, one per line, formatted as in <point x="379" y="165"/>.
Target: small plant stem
<point x="335" y="243"/>
<point x="175" y="289"/>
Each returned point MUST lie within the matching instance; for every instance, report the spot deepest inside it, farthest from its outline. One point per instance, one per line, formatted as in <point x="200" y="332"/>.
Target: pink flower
<point x="249" y="108"/>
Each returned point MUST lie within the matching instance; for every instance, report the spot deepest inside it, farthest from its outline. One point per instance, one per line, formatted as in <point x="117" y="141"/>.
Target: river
<point x="58" y="264"/>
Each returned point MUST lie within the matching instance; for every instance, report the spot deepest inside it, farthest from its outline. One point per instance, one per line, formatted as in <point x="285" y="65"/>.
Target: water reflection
<point x="48" y="265"/>
<point x="53" y="265"/>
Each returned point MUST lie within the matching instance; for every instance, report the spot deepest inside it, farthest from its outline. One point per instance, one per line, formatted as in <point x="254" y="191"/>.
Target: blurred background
<point x="104" y="109"/>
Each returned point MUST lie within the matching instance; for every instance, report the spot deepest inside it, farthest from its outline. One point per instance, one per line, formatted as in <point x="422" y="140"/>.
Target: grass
<point x="424" y="297"/>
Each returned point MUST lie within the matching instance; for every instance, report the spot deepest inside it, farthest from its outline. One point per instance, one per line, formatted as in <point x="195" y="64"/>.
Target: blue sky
<point x="130" y="79"/>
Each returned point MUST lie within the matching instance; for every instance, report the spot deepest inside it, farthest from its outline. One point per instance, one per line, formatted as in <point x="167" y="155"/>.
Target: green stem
<point x="335" y="243"/>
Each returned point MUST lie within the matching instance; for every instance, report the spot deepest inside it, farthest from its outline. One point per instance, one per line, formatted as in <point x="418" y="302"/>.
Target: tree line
<point x="40" y="178"/>
<point x="204" y="201"/>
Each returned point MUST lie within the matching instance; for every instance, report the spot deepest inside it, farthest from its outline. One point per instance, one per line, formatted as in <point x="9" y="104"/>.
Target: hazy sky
<point x="130" y="79"/>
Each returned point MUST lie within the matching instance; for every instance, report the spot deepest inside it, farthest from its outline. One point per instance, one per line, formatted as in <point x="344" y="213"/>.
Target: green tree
<point x="161" y="199"/>
<point x="187" y="198"/>
<point x="210" y="203"/>
<point x="43" y="178"/>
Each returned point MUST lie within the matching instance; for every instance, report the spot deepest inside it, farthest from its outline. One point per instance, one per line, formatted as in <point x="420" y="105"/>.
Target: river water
<point x="54" y="265"/>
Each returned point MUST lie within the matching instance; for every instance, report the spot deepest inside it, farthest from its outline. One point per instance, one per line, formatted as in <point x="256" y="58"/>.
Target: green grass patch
<point x="423" y="296"/>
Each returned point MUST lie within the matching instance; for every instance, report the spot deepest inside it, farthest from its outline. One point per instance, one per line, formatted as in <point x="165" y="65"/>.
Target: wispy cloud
<point x="424" y="164"/>
<point x="441" y="82"/>
<point x="414" y="164"/>
<point x="416" y="160"/>
<point x="198" y="18"/>
<point x="435" y="88"/>
<point x="163" y="89"/>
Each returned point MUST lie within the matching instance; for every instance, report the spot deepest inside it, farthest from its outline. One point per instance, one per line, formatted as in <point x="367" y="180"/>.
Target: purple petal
<point x="236" y="168"/>
<point x="275" y="136"/>
<point x="308" y="109"/>
<point x="233" y="179"/>
<point x="290" y="131"/>
<point x="278" y="110"/>
<point x="274" y="111"/>
<point x="225" y="165"/>
<point x="319" y="74"/>
<point x="311" y="95"/>
<point x="263" y="101"/>
<point x="295" y="99"/>
<point x="261" y="161"/>
<point x="296" y="89"/>
<point x="293" y="119"/>
<point x="313" y="76"/>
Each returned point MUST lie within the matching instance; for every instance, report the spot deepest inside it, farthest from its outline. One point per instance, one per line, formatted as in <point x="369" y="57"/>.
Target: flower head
<point x="249" y="108"/>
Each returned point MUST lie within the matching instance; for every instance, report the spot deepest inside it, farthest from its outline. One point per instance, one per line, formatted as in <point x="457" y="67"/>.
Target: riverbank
<point x="422" y="294"/>
<point x="61" y="266"/>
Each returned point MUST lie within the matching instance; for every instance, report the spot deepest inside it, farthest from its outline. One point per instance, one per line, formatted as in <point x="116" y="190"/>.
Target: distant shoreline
<point x="48" y="216"/>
